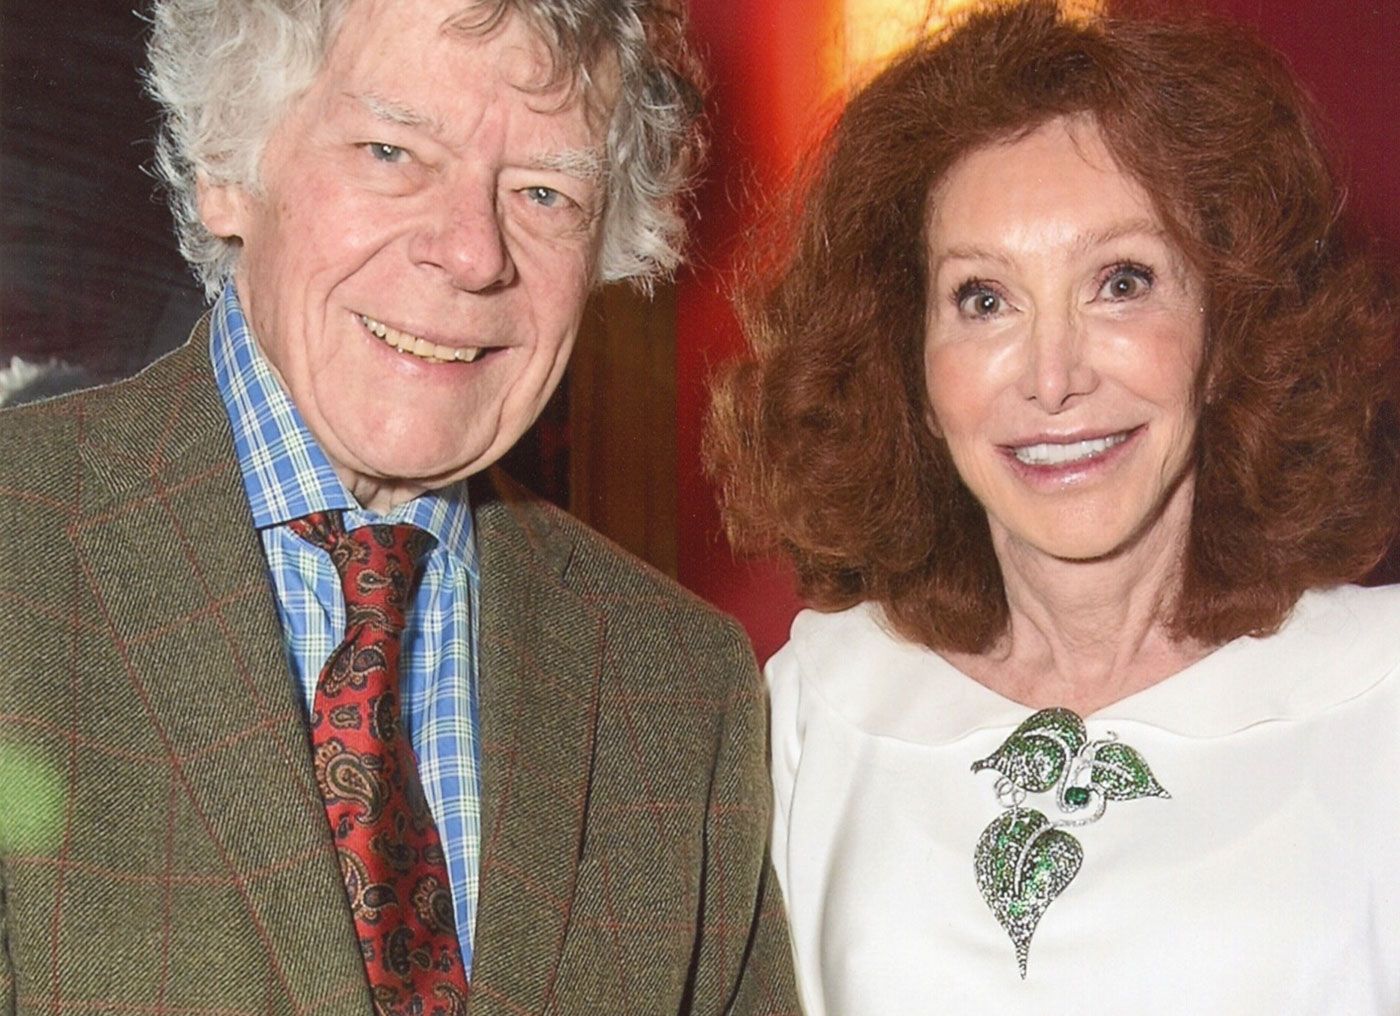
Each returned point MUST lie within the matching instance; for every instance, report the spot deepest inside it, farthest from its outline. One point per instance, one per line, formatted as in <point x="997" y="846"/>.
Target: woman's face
<point x="1063" y="337"/>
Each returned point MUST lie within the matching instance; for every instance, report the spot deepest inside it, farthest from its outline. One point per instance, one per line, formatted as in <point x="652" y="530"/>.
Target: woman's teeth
<point x="416" y="346"/>
<point x="1058" y="454"/>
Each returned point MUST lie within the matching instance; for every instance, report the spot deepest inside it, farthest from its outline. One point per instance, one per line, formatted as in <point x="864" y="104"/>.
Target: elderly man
<point x="302" y="710"/>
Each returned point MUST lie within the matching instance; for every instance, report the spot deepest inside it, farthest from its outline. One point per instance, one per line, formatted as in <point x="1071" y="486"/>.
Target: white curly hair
<point x="224" y="71"/>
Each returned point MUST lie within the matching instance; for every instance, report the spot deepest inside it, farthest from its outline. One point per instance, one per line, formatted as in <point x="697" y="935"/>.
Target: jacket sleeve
<point x="744" y="963"/>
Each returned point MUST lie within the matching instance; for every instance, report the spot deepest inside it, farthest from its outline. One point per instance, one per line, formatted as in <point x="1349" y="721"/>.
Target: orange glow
<point x="873" y="31"/>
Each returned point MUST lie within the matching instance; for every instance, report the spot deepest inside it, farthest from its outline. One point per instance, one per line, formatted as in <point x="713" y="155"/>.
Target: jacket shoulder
<point x="39" y="441"/>
<point x="621" y="586"/>
<point x="43" y="442"/>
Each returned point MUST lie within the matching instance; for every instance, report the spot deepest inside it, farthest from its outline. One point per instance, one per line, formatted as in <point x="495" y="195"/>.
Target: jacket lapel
<point x="167" y="545"/>
<point x="168" y="549"/>
<point x="541" y="647"/>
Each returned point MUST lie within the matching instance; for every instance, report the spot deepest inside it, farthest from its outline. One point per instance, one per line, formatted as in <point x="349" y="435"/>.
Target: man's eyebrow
<point x="583" y="163"/>
<point x="392" y="111"/>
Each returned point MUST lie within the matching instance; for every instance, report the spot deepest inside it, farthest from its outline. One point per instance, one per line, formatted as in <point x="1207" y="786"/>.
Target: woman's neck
<point x="1085" y="634"/>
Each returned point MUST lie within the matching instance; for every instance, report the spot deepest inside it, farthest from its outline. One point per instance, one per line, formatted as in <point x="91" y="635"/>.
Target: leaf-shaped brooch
<point x="1025" y="860"/>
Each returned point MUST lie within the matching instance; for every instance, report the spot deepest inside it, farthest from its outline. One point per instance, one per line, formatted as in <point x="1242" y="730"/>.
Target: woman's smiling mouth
<point x="1048" y="453"/>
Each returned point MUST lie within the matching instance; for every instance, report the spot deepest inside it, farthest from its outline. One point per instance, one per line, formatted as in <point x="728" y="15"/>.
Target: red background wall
<point x="766" y="87"/>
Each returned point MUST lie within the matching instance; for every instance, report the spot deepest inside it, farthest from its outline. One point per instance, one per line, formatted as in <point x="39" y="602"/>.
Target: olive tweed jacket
<point x="163" y="848"/>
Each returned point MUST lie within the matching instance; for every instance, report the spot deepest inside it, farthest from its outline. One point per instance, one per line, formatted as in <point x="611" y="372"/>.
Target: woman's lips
<point x="1057" y="453"/>
<point x="1060" y="458"/>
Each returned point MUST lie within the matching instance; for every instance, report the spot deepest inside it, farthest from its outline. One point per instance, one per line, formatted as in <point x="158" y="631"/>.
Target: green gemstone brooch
<point x="1025" y="860"/>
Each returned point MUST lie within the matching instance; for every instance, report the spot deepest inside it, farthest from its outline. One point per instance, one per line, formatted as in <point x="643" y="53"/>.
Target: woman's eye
<point x="1126" y="282"/>
<point x="977" y="300"/>
<point x="383" y="152"/>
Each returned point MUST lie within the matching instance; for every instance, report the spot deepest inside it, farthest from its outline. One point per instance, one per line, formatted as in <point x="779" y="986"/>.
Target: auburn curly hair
<point x="818" y="437"/>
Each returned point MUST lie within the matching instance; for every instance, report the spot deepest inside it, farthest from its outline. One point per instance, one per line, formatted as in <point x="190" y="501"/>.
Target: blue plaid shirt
<point x="287" y="476"/>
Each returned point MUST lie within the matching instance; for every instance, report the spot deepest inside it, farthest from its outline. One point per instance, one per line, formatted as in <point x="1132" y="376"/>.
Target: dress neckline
<point x="1336" y="645"/>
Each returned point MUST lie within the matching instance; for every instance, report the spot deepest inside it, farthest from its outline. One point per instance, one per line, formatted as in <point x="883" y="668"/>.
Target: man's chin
<point x="392" y="480"/>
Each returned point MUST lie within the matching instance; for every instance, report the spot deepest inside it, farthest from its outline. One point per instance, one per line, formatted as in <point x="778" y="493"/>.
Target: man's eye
<point x="545" y="197"/>
<point x="1126" y="282"/>
<point x="383" y="152"/>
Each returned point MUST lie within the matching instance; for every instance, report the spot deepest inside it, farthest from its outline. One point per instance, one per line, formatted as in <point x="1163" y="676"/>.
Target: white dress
<point x="1267" y="883"/>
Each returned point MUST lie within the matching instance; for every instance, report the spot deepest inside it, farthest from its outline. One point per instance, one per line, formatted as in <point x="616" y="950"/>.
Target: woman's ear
<point x="931" y="422"/>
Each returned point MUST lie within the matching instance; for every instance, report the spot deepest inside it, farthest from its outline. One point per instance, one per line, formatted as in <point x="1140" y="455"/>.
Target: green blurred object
<point x="31" y="803"/>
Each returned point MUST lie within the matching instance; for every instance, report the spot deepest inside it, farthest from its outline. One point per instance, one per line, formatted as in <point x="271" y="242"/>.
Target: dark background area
<point x="88" y="269"/>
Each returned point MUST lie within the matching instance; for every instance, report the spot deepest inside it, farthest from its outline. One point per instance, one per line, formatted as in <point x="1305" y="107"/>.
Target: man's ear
<point x="223" y="207"/>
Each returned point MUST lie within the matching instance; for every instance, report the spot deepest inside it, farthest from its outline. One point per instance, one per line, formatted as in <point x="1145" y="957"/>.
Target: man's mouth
<point x="417" y="346"/>
<point x="1048" y="454"/>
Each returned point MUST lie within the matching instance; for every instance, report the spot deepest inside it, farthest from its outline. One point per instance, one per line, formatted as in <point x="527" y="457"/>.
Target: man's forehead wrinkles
<point x="477" y="22"/>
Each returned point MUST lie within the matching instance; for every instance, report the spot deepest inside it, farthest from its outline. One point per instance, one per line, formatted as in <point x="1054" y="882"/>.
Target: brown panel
<point x="622" y="422"/>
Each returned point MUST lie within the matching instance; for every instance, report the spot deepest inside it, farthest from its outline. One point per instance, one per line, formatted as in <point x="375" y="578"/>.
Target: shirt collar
<point x="285" y="473"/>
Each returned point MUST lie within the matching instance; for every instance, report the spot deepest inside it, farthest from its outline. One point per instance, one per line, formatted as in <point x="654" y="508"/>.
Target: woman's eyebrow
<point x="967" y="252"/>
<point x="1118" y="231"/>
<point x="1080" y="244"/>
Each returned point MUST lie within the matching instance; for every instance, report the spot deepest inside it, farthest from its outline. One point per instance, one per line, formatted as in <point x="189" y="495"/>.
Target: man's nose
<point x="464" y="237"/>
<point x="1057" y="368"/>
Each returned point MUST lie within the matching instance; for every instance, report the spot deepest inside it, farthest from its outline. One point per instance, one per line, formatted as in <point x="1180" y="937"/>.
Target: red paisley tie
<point x="390" y="854"/>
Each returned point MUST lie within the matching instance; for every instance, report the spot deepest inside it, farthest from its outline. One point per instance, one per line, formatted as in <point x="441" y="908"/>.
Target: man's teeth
<point x="420" y="347"/>
<point x="1058" y="454"/>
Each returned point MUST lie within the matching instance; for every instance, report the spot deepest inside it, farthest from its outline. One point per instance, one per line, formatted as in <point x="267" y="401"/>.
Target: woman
<point x="1075" y="412"/>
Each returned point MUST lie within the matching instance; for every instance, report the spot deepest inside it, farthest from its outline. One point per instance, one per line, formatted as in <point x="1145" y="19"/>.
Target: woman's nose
<point x="1057" y="368"/>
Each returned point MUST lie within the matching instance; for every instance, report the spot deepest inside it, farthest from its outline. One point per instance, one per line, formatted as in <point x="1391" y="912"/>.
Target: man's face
<point x="416" y="259"/>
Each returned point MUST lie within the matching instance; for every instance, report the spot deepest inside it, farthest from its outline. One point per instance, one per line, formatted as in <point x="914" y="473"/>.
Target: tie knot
<point x="378" y="565"/>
